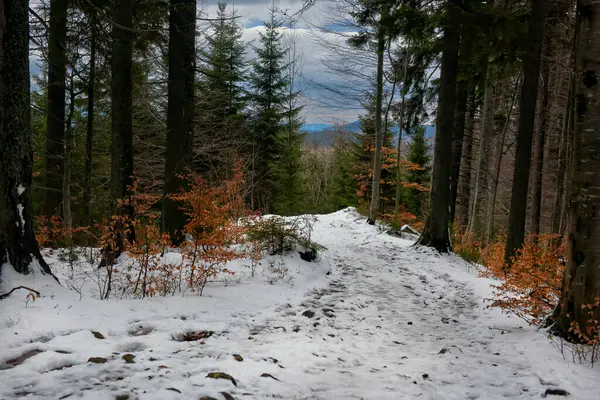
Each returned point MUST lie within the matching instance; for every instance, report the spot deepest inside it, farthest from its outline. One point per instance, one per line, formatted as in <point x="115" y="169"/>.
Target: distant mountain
<point x="322" y="134"/>
<point x="315" y="127"/>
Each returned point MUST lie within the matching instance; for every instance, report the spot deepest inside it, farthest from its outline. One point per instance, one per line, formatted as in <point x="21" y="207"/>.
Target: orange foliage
<point x="403" y="218"/>
<point x="50" y="231"/>
<point x="531" y="287"/>
<point x="213" y="228"/>
<point x="590" y="333"/>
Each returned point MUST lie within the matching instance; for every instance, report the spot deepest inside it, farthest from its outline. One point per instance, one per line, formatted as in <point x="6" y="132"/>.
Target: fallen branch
<point x="5" y="295"/>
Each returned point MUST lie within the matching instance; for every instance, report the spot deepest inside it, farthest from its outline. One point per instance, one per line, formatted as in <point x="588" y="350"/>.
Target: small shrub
<point x="213" y="229"/>
<point x="277" y="235"/>
<point x="531" y="287"/>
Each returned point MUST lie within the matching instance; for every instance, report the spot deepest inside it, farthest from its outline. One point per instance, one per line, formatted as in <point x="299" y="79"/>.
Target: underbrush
<point x="219" y="230"/>
<point x="531" y="287"/>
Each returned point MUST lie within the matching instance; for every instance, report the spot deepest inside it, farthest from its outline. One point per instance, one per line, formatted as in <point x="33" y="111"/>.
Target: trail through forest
<point x="386" y="321"/>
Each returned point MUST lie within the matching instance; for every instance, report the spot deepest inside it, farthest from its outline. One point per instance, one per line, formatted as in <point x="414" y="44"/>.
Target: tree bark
<point x="560" y="208"/>
<point x="581" y="283"/>
<point x="463" y="200"/>
<point x="121" y="174"/>
<point x="121" y="104"/>
<point x="498" y="166"/>
<point x="18" y="246"/>
<point x="400" y="128"/>
<point x="376" y="186"/>
<point x="538" y="173"/>
<point x="89" y="138"/>
<point x="67" y="157"/>
<point x="55" y="119"/>
<point x="435" y="234"/>
<point x="180" y="110"/>
<point x="478" y="220"/>
<point x="531" y="70"/>
<point x="462" y="95"/>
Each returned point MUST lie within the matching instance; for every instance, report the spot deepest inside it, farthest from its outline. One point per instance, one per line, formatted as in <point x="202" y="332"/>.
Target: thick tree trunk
<point x="55" y="119"/>
<point x="18" y="246"/>
<point x="462" y="95"/>
<point x="89" y="138"/>
<point x="376" y="186"/>
<point x="121" y="105"/>
<point x="581" y="283"/>
<point x="531" y="70"/>
<point x="463" y="200"/>
<point x="538" y="173"/>
<point x="121" y="129"/>
<point x="180" y="112"/>
<point x="435" y="234"/>
<point x="478" y="220"/>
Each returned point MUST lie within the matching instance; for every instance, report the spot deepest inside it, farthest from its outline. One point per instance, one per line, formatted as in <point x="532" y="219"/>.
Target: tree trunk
<point x="531" y="70"/>
<point x="18" y="246"/>
<point x="375" y="189"/>
<point x="463" y="200"/>
<point x="400" y="128"/>
<point x="435" y="234"/>
<point x="55" y="118"/>
<point x="180" y="112"/>
<point x="89" y="138"/>
<point x="121" y="105"/>
<point x="121" y="129"/>
<point x="462" y="94"/>
<point x="498" y="166"/>
<point x="581" y="283"/>
<point x="538" y="173"/>
<point x="560" y="208"/>
<point x="68" y="152"/>
<point x="478" y="220"/>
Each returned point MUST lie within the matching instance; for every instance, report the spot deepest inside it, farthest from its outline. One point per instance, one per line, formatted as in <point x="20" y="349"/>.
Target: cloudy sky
<point x="320" y="62"/>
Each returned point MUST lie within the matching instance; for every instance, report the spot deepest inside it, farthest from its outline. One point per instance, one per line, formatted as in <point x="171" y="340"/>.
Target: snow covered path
<point x="394" y="322"/>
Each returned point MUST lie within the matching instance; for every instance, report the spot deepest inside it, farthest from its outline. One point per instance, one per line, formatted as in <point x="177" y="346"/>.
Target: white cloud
<point x="321" y="105"/>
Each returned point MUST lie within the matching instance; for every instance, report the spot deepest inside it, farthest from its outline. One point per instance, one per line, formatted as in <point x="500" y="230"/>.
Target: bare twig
<point x="5" y="295"/>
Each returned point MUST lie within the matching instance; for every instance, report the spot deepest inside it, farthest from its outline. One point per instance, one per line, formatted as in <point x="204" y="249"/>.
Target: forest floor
<point x="374" y="318"/>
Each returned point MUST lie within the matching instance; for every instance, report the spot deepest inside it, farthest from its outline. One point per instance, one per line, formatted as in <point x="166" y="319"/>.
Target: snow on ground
<point x="373" y="319"/>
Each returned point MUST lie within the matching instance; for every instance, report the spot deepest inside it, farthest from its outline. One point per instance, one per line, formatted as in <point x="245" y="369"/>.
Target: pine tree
<point x="417" y="179"/>
<point x="57" y="62"/>
<point x="221" y="94"/>
<point x="435" y="234"/>
<point x="180" y="110"/>
<point x="578" y="309"/>
<point x="270" y="110"/>
<point x="531" y="69"/>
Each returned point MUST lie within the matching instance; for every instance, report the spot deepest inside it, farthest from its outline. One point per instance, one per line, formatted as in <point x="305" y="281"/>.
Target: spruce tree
<point x="221" y="93"/>
<point x="418" y="154"/>
<point x="275" y="136"/>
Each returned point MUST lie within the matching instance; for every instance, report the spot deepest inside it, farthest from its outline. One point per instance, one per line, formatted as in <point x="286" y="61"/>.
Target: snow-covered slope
<point x="374" y="319"/>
